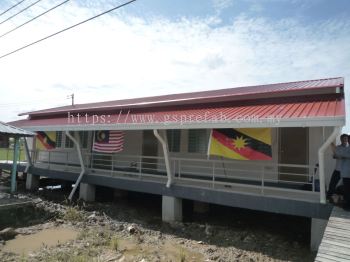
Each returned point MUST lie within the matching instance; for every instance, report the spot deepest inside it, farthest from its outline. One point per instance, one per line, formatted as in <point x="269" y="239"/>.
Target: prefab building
<point x="164" y="146"/>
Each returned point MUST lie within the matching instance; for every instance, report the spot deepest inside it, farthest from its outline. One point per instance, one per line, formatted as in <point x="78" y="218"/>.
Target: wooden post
<point x="14" y="165"/>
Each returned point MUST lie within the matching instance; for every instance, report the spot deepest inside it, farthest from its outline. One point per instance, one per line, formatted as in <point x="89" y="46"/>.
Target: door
<point x="294" y="150"/>
<point x="149" y="149"/>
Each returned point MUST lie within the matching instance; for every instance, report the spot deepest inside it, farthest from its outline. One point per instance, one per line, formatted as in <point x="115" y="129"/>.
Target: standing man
<point x="344" y="153"/>
<point x="336" y="173"/>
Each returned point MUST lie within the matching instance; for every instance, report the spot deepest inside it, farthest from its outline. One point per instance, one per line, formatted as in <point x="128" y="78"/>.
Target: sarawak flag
<point x="46" y="140"/>
<point x="241" y="143"/>
<point x="108" y="141"/>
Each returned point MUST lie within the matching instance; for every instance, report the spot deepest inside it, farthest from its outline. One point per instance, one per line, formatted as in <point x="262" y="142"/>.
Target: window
<point x="58" y="139"/>
<point x="83" y="136"/>
<point x="69" y="143"/>
<point x="174" y="138"/>
<point x="197" y="141"/>
<point x="62" y="140"/>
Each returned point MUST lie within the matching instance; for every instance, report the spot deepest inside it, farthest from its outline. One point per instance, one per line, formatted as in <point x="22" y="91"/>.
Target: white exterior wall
<point x="133" y="150"/>
<point x="246" y="169"/>
<point x="65" y="155"/>
<point x="132" y="147"/>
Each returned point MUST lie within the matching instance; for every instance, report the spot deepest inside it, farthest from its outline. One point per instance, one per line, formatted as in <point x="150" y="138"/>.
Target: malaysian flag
<point x="108" y="141"/>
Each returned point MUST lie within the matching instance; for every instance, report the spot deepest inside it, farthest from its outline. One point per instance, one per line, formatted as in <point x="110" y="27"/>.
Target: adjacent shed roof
<point x="13" y="131"/>
<point x="305" y="103"/>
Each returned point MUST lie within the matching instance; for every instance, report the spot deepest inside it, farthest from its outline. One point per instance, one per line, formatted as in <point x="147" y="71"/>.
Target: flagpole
<point x="208" y="151"/>
<point x="223" y="165"/>
<point x="92" y="146"/>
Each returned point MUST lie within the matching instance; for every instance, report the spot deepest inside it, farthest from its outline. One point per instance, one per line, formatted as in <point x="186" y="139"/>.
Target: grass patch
<point x="114" y="243"/>
<point x="68" y="257"/>
<point x="182" y="255"/>
<point x="97" y="237"/>
<point x="6" y="154"/>
<point x="73" y="214"/>
<point x="23" y="258"/>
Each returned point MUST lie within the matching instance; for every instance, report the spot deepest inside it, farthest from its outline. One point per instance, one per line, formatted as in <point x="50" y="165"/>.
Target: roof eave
<point x="257" y="123"/>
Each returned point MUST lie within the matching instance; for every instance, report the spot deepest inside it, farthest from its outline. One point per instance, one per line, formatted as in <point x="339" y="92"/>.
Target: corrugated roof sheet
<point x="223" y="95"/>
<point x="287" y="110"/>
<point x="12" y="130"/>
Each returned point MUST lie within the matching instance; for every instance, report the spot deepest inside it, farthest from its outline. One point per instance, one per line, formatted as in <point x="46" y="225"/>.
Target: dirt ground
<point x="130" y="229"/>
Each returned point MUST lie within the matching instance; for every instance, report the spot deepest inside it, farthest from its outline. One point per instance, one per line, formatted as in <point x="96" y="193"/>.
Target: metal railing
<point x="215" y="173"/>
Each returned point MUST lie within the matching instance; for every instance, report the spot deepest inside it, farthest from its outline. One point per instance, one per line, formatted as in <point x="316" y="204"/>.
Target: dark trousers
<point x="346" y="182"/>
<point x="333" y="183"/>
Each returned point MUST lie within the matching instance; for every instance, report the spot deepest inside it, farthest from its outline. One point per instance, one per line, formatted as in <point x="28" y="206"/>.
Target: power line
<point x="67" y="28"/>
<point x="24" y="9"/>
<point x="34" y="18"/>
<point x="4" y="12"/>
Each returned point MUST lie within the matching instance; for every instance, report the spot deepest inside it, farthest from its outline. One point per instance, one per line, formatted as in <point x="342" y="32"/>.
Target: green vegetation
<point x="84" y="256"/>
<point x="7" y="154"/>
<point x="182" y="255"/>
<point x="97" y="237"/>
<point x="23" y="258"/>
<point x="73" y="215"/>
<point x="114" y="243"/>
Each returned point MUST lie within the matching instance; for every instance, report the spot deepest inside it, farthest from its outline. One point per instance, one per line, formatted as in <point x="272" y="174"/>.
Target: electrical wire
<point x="4" y="12"/>
<point x="34" y="18"/>
<point x="66" y="29"/>
<point x="21" y="11"/>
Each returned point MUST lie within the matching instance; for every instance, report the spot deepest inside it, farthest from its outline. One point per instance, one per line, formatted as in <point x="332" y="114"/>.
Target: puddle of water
<point x="23" y="244"/>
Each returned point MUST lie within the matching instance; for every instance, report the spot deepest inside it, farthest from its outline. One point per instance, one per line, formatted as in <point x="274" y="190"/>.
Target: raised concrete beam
<point x="32" y="182"/>
<point x="87" y="192"/>
<point x="171" y="209"/>
<point x="318" y="227"/>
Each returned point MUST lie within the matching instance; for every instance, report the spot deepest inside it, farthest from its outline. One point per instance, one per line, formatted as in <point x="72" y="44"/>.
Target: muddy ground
<point x="129" y="228"/>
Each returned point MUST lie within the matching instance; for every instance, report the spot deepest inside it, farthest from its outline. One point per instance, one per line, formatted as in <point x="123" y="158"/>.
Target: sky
<point x="155" y="47"/>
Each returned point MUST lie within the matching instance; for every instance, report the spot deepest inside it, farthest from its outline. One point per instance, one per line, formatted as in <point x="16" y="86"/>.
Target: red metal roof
<point x="330" y="110"/>
<point x="300" y="88"/>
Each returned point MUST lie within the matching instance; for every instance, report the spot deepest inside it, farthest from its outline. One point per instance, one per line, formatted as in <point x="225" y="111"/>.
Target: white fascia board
<point x="296" y="122"/>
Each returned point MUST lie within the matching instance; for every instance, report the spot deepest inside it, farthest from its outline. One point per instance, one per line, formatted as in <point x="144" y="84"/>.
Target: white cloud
<point x="220" y="5"/>
<point x="120" y="56"/>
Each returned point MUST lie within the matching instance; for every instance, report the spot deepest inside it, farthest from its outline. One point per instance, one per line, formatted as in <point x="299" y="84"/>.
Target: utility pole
<point x="72" y="97"/>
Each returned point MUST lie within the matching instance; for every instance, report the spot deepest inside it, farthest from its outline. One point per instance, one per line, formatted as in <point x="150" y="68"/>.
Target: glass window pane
<point x="174" y="139"/>
<point x="197" y="141"/>
<point x="58" y="139"/>
<point x="69" y="143"/>
<point x="83" y="136"/>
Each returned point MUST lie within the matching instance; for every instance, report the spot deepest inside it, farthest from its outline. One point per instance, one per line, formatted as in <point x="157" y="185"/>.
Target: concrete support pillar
<point x="87" y="192"/>
<point x="171" y="209"/>
<point x="318" y="227"/>
<point x="200" y="207"/>
<point x="32" y="182"/>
